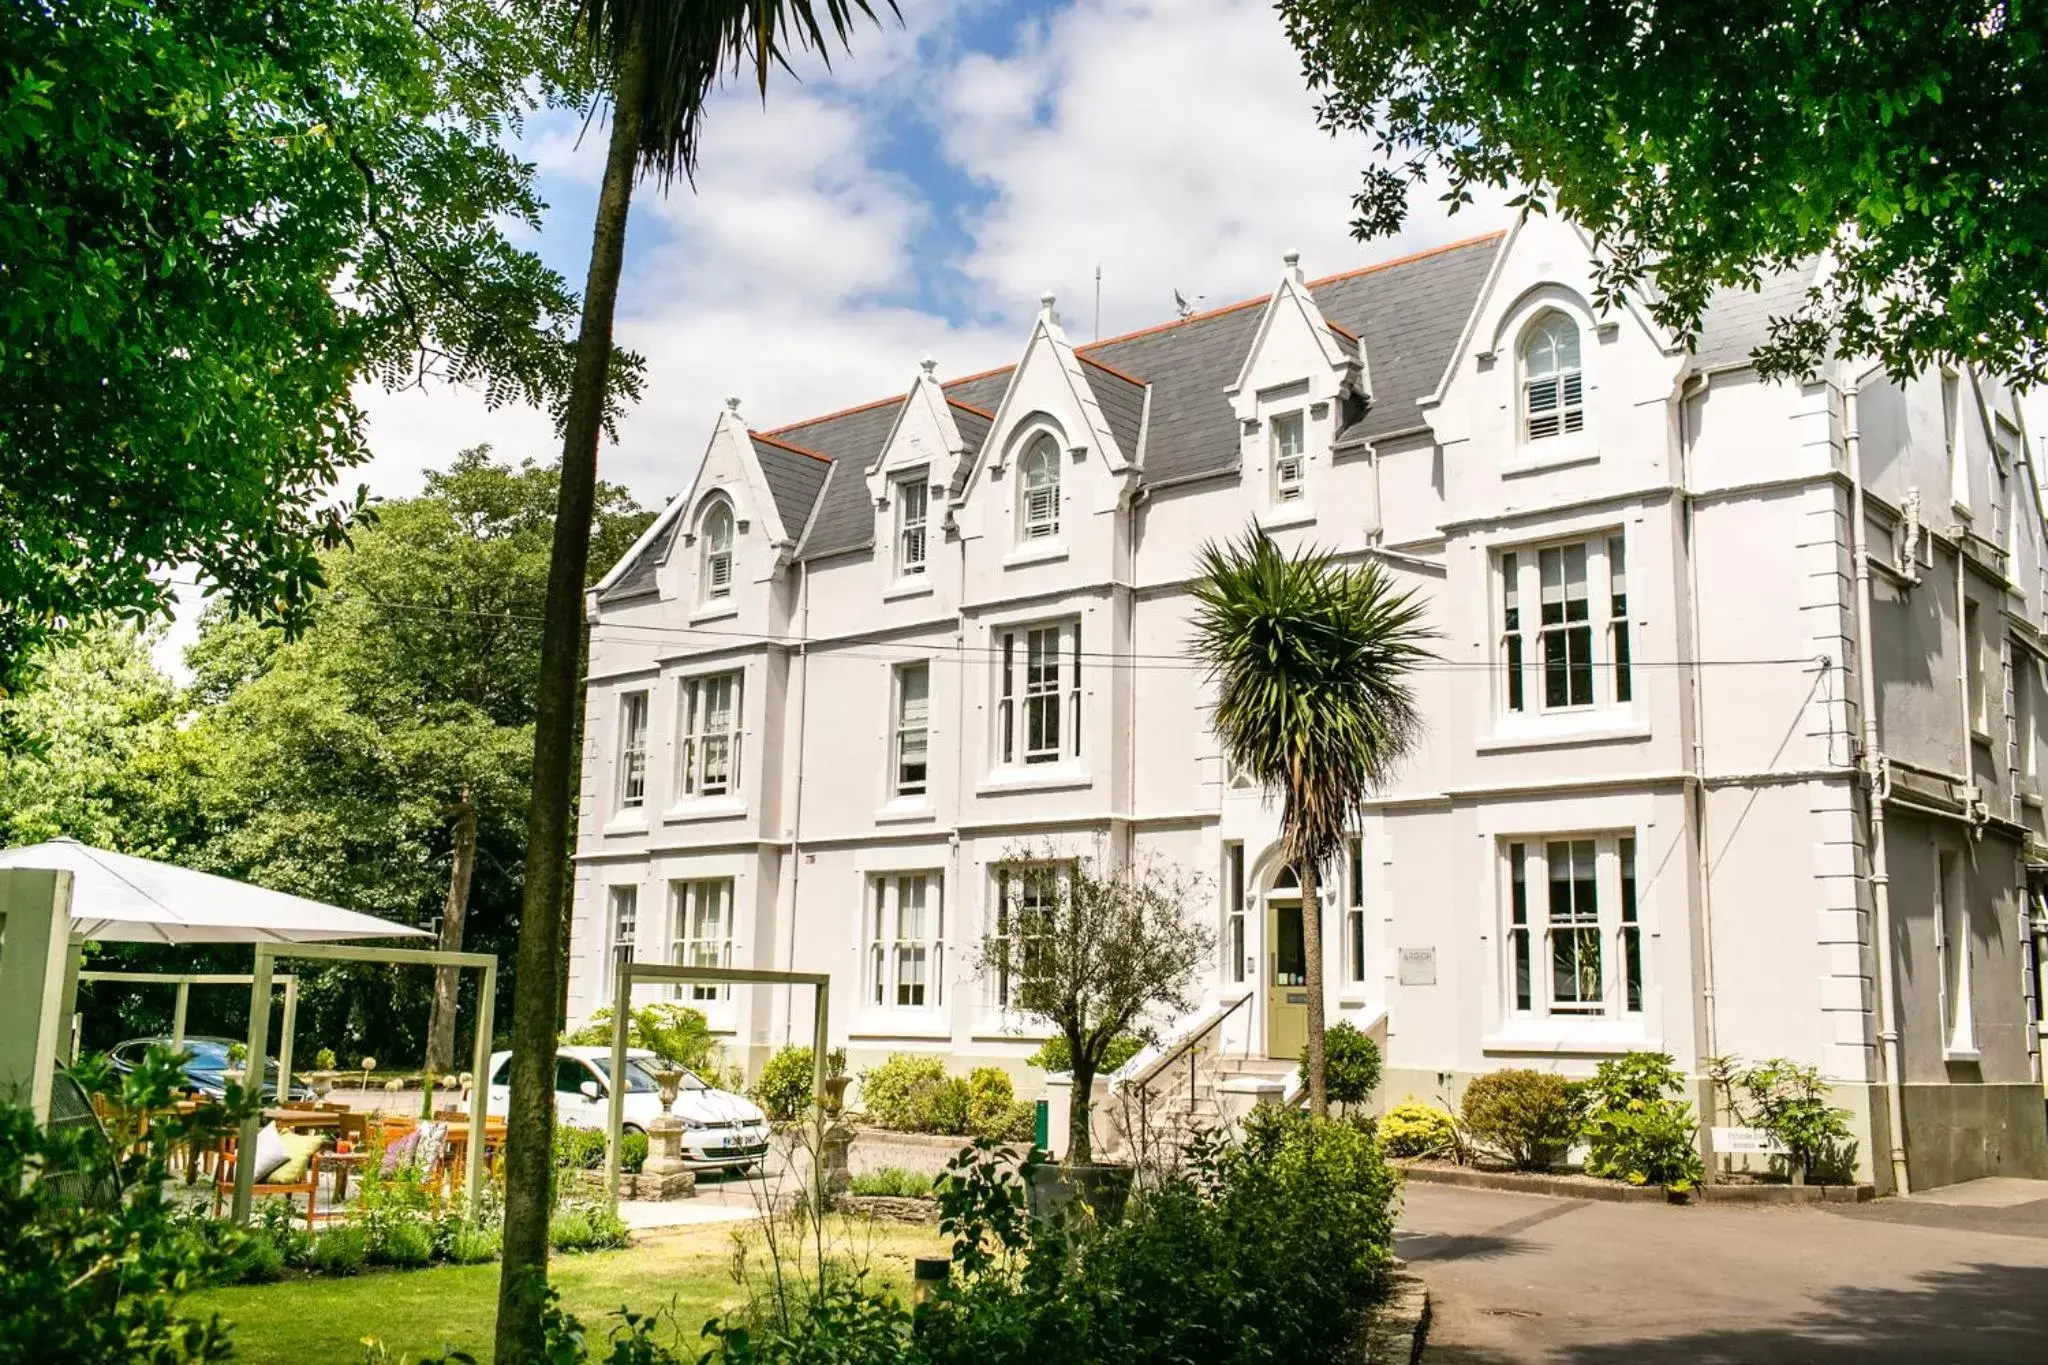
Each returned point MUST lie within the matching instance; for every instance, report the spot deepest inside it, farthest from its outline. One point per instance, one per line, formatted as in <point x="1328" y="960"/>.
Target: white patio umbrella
<point x="118" y="897"/>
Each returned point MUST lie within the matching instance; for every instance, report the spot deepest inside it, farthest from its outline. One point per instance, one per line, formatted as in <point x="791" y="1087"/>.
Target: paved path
<point x="1959" y="1276"/>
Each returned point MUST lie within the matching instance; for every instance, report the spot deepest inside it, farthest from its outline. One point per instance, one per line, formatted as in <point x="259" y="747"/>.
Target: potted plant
<point x="1089" y="949"/>
<point x="323" y="1075"/>
<point x="836" y="1081"/>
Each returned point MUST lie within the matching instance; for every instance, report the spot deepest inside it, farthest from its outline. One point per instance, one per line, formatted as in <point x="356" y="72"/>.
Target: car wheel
<point x="626" y="1128"/>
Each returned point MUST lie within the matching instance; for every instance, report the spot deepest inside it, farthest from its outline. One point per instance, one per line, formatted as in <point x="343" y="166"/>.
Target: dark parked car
<point x="203" y="1071"/>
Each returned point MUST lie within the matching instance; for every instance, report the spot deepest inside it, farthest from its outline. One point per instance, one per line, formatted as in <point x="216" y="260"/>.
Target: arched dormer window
<point x="1038" y="503"/>
<point x="1553" y="385"/>
<point x="716" y="533"/>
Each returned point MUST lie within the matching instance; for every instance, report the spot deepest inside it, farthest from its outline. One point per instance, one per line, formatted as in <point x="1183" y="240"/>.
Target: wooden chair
<point x="308" y="1184"/>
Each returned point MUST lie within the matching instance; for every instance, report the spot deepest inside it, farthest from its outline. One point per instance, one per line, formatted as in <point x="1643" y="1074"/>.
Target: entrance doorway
<point x="1286" y="969"/>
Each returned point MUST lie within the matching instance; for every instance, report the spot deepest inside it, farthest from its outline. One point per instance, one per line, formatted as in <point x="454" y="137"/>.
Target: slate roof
<point x="794" y="477"/>
<point x="1121" y="397"/>
<point x="1737" y="321"/>
<point x="637" y="577"/>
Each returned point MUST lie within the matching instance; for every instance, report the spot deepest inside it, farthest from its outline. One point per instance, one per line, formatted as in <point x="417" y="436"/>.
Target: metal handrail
<point x="1143" y="1080"/>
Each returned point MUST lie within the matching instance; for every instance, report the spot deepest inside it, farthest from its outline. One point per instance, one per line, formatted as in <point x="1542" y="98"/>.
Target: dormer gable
<point x="1294" y="341"/>
<point x="908" y="478"/>
<point x="1302" y="380"/>
<point x="1052" y="378"/>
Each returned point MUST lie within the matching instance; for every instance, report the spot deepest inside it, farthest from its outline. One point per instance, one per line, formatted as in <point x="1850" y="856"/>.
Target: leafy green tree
<point x="215" y="220"/>
<point x="658" y="64"/>
<point x="1702" y="142"/>
<point x="1311" y="660"/>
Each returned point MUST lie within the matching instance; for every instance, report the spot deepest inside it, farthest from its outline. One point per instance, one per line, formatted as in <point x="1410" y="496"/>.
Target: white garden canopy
<point x="115" y="897"/>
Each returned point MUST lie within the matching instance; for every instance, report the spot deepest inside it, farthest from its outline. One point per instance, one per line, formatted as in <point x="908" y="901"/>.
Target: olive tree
<point x="1093" y="948"/>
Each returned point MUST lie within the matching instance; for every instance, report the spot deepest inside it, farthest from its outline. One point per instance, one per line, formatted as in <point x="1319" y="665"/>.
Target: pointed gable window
<point x="717" y="533"/>
<point x="1039" y="506"/>
<point x="1553" y="386"/>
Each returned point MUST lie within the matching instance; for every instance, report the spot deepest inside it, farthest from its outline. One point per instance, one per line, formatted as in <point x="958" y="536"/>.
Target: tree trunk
<point x="1080" y="1117"/>
<point x="441" y="1026"/>
<point x="529" y="1129"/>
<point x="1312" y="963"/>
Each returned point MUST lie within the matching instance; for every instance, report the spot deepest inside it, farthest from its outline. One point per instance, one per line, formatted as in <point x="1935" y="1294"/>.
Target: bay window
<point x="708" y="757"/>
<point x="1574" y="927"/>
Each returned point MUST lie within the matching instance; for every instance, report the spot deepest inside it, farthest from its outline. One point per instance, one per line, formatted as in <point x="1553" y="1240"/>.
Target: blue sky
<point x="918" y="198"/>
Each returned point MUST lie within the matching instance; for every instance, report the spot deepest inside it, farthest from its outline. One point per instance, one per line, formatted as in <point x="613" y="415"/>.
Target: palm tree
<point x="659" y="60"/>
<point x="1311" y="660"/>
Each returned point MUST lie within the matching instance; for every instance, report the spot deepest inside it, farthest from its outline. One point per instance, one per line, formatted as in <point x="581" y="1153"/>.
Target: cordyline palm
<point x="1311" y="660"/>
<point x="659" y="61"/>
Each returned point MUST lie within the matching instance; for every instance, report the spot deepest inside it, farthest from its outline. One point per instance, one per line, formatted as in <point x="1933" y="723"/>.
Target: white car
<point x="721" y="1130"/>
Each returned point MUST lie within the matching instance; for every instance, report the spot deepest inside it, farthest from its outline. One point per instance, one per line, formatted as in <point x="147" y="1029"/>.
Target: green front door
<point x="1286" y="981"/>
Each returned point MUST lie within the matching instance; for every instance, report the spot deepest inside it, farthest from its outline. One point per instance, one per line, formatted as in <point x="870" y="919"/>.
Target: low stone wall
<point x="1568" y="1185"/>
<point x="890" y="1208"/>
<point x="1395" y="1327"/>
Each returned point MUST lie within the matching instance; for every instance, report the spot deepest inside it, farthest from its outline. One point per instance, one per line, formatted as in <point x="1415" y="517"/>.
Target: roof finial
<point x="1045" y="301"/>
<point x="732" y="403"/>
<point x="1292" y="260"/>
<point x="930" y="367"/>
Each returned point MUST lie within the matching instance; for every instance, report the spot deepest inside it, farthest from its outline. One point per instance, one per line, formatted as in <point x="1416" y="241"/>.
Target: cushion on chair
<point x="271" y="1153"/>
<point x="398" y="1153"/>
<point x="301" y="1147"/>
<point x="433" y="1141"/>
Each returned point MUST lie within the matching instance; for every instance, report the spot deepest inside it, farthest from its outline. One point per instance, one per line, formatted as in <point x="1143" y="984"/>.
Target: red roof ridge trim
<point x="793" y="449"/>
<point x="983" y="413"/>
<point x="1124" y="375"/>
<point x="1343" y="331"/>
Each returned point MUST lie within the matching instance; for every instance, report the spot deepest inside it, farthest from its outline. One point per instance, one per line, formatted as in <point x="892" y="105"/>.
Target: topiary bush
<point x="1351" y="1064"/>
<point x="1635" y="1127"/>
<point x="783" y="1088"/>
<point x="1053" y="1054"/>
<point x="1528" y="1119"/>
<point x="993" y="1109"/>
<point x="891" y="1092"/>
<point x="1415" y="1129"/>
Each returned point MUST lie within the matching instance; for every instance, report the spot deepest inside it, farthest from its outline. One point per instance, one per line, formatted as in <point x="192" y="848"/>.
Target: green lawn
<point x="318" y="1321"/>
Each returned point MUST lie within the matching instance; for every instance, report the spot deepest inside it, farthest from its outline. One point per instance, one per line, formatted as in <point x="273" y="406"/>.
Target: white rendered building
<point x="865" y="661"/>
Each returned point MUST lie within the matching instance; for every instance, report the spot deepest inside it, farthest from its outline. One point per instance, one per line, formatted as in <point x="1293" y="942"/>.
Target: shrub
<point x="1351" y="1064"/>
<point x="473" y="1246"/>
<point x="941" y="1107"/>
<point x="579" y="1149"/>
<point x="1526" y="1118"/>
<point x="1789" y="1101"/>
<point x="993" y="1109"/>
<point x="259" y="1260"/>
<point x="891" y="1093"/>
<point x="570" y="1230"/>
<point x="1414" y="1129"/>
<point x="784" y="1086"/>
<point x="1053" y="1055"/>
<point x="1636" y="1129"/>
<point x="406" y="1244"/>
<point x="632" y="1152"/>
<point x="341" y="1250"/>
<point x="895" y="1182"/>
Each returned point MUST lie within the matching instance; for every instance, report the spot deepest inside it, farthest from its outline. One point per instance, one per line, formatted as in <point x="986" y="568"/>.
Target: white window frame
<point x="621" y="918"/>
<point x="717" y="532"/>
<point x="1354" y="914"/>
<point x="1039" y="478"/>
<point x="1551" y="358"/>
<point x="633" y="708"/>
<point x="1038" y="694"/>
<point x="1289" y="456"/>
<point x="1976" y="668"/>
<point x="1954" y="955"/>
<point x="1021" y="889"/>
<point x="1236" y="944"/>
<point x="1525" y="597"/>
<point x="913" y="524"/>
<point x="907" y="941"/>
<point x="911" y="731"/>
<point x="700" y="745"/>
<point x="1612" y="931"/>
<point x="701" y="933"/>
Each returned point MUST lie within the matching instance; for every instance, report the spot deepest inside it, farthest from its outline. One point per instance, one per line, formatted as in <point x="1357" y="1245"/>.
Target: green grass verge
<point x="320" y="1321"/>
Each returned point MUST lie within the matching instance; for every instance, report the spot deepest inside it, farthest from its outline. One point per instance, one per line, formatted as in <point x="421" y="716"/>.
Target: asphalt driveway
<point x="1960" y="1276"/>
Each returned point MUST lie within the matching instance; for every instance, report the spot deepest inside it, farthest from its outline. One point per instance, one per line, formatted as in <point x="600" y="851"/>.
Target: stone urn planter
<point x="320" y="1082"/>
<point x="663" y="1175"/>
<point x="835" y="1093"/>
<point x="1055" y="1190"/>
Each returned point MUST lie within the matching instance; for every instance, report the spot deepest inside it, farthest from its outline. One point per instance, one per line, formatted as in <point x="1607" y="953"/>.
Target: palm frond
<point x="1311" y="661"/>
<point x="694" y="43"/>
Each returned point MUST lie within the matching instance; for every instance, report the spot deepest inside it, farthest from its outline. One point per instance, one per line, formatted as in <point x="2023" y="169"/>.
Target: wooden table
<point x="301" y="1119"/>
<point x="342" y="1164"/>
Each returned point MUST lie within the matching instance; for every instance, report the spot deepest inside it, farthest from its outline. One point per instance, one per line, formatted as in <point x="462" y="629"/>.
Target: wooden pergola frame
<point x="261" y="978"/>
<point x="630" y="973"/>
